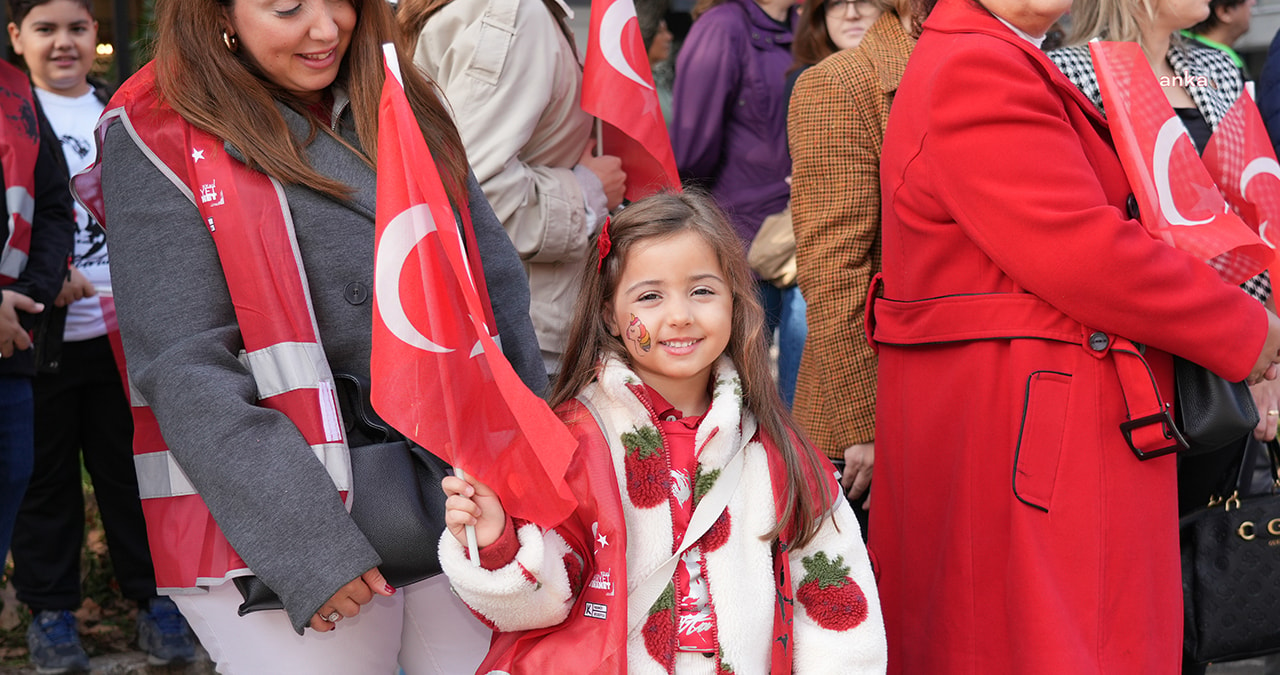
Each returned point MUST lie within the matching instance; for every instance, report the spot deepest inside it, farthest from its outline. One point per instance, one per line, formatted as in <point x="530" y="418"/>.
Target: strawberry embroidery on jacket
<point x="660" y="629"/>
<point x="648" y="477"/>
<point x="719" y="532"/>
<point x="831" y="598"/>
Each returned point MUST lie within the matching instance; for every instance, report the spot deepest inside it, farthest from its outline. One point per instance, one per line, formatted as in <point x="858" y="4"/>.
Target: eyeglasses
<point x="838" y="7"/>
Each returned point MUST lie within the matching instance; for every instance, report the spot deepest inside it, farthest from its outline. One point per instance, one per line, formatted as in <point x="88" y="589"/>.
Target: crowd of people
<point x="972" y="294"/>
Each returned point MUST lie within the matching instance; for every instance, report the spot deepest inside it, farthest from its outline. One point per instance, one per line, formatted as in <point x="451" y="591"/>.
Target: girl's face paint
<point x="637" y="333"/>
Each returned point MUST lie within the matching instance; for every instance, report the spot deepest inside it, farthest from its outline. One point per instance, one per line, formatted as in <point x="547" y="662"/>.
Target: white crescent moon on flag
<point x="1169" y="134"/>
<point x="611" y="24"/>
<point x="399" y="239"/>
<point x="1259" y="166"/>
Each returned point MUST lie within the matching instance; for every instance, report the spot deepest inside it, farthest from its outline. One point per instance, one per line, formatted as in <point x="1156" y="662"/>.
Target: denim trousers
<point x="17" y="441"/>
<point x="784" y="310"/>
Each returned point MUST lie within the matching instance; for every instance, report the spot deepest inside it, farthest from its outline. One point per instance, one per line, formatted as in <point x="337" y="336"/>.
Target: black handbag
<point x="396" y="497"/>
<point x="1231" y="563"/>
<point x="1212" y="413"/>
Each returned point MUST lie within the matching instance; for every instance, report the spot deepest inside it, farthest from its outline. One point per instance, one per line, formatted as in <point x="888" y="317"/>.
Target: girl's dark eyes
<point x="648" y="296"/>
<point x="703" y="291"/>
<point x="290" y="12"/>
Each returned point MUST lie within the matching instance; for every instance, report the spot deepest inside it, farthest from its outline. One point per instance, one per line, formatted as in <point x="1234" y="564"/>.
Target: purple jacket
<point x="729" y="126"/>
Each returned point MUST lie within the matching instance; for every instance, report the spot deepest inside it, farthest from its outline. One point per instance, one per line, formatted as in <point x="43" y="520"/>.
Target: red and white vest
<point x="248" y="218"/>
<point x="19" y="145"/>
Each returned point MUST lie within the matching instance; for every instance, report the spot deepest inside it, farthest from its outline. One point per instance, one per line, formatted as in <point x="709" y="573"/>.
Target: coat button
<point x="1132" y="205"/>
<point x="1098" y="341"/>
<point x="356" y="293"/>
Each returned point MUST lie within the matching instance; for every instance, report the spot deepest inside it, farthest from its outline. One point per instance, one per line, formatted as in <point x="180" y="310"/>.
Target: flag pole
<point x="473" y="547"/>
<point x="599" y="137"/>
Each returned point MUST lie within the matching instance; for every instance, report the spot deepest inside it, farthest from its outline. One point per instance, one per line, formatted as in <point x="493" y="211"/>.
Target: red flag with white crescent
<point x="1177" y="198"/>
<point x="1243" y="163"/>
<point x="617" y="87"/>
<point x="437" y="374"/>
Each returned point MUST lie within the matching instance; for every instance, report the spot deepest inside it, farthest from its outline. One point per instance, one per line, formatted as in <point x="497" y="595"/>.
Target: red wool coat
<point x="1014" y="530"/>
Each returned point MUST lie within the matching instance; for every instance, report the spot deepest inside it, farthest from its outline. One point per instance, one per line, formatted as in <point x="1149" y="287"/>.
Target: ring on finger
<point x="1273" y="412"/>
<point x="332" y="616"/>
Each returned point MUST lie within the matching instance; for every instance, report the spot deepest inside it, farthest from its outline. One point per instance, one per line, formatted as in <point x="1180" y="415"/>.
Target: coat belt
<point x="1149" y="429"/>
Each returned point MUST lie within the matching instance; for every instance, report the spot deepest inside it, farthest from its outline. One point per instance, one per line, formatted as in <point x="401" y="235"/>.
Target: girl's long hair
<point x="222" y="92"/>
<point x="659" y="217"/>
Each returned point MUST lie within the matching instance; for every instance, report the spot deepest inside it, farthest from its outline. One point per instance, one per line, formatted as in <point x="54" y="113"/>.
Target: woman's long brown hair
<point x="666" y="215"/>
<point x="412" y="17"/>
<point x="223" y="93"/>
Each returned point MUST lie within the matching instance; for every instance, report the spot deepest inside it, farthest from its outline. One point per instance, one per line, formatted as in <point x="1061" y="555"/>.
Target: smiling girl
<point x="779" y="577"/>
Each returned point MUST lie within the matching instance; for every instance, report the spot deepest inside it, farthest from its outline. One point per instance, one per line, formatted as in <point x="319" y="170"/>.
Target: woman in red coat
<point x="1015" y="529"/>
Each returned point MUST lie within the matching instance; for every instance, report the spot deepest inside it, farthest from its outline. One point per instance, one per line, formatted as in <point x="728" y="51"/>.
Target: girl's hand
<point x="347" y="601"/>
<point x="1266" y="396"/>
<point x="471" y="502"/>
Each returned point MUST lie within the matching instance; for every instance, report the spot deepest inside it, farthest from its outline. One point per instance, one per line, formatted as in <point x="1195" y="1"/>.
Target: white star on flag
<point x="196" y="155"/>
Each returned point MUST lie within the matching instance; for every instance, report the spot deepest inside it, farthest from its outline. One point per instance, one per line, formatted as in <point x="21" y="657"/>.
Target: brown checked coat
<point x="836" y="126"/>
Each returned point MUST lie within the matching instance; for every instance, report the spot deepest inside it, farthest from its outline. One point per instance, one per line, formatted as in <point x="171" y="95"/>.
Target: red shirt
<point x="695" y="616"/>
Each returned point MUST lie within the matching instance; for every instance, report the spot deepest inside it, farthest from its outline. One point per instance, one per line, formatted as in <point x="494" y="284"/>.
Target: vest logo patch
<point x="209" y="192"/>
<point x="596" y="611"/>
<point x="601" y="581"/>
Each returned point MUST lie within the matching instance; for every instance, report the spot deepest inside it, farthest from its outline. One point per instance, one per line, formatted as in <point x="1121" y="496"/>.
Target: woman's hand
<point x="75" y="288"/>
<point x="471" y="502"/>
<point x="858" y="461"/>
<point x="609" y="170"/>
<point x="1266" y="396"/>
<point x="346" y="602"/>
<point x="1266" y="366"/>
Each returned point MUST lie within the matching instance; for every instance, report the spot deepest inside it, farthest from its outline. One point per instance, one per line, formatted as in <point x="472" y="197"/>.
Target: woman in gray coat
<point x="244" y="157"/>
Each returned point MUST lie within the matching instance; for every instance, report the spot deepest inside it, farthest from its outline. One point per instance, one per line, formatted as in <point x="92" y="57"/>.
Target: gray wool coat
<point x="273" y="500"/>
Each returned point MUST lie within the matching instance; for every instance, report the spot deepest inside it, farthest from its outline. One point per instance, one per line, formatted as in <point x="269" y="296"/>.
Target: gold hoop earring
<point x="230" y="41"/>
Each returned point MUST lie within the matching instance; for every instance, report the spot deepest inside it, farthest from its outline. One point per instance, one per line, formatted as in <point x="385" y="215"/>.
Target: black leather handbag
<point x="1231" y="563"/>
<point x="396" y="497"/>
<point x="1212" y="413"/>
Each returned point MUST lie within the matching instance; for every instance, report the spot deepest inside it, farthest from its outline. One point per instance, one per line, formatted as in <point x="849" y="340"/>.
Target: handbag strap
<point x="642" y="596"/>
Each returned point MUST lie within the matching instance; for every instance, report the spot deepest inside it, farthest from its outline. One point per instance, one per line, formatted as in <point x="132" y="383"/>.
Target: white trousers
<point x="424" y="629"/>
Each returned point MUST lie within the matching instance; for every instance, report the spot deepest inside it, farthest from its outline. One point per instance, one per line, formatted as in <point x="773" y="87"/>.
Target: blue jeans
<point x="17" y="443"/>
<point x="784" y="310"/>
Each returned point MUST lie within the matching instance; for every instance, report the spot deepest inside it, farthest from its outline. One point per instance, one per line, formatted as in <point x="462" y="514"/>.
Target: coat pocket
<point x="1044" y="419"/>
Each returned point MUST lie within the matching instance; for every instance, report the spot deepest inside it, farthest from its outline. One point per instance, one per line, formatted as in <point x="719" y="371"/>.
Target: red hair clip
<point x="603" y="244"/>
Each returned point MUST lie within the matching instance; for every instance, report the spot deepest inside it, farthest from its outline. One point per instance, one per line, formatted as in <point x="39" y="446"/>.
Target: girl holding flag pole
<point x="684" y="447"/>
<point x="238" y="179"/>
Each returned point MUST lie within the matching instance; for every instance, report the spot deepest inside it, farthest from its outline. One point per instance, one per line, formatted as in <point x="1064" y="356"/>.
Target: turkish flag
<point x="1177" y="198"/>
<point x="1243" y="163"/>
<point x="617" y="87"/>
<point x="437" y="374"/>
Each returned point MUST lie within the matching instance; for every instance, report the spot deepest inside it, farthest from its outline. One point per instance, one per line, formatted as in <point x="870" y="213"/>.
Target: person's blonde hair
<point x="1114" y="20"/>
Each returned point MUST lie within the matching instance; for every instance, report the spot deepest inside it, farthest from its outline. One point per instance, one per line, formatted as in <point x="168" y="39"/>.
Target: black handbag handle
<point x="1239" y="483"/>
<point x="363" y="425"/>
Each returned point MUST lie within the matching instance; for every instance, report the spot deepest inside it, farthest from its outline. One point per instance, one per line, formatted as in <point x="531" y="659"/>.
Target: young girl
<point x="667" y="362"/>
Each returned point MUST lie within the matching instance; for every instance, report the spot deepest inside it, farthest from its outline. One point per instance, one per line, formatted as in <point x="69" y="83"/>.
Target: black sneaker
<point x="164" y="635"/>
<point x="54" y="643"/>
